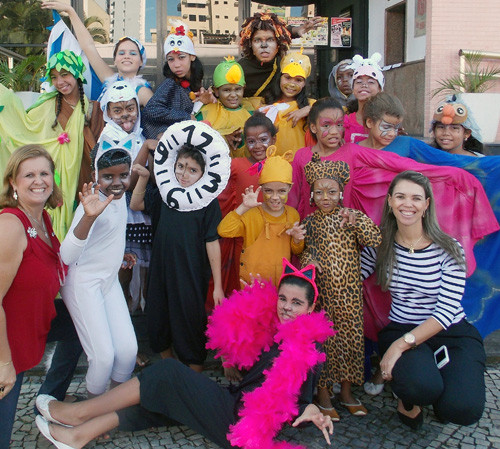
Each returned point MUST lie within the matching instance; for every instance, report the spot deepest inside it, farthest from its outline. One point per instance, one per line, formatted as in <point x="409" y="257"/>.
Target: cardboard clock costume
<point x="217" y="170"/>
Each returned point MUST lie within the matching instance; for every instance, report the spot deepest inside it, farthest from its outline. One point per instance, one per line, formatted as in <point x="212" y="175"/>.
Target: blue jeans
<point x="66" y="355"/>
<point x="8" y="406"/>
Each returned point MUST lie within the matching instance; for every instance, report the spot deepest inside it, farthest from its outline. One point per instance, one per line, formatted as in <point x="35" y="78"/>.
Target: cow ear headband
<point x="106" y="144"/>
<point x="308" y="273"/>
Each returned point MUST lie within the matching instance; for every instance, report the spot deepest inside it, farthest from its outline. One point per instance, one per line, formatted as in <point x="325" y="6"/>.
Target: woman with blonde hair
<point x="31" y="271"/>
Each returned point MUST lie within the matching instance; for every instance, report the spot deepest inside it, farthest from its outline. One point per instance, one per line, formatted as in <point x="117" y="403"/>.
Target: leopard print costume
<point x="337" y="250"/>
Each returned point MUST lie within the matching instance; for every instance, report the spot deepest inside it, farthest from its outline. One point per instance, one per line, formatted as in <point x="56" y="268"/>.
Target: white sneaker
<point x="373" y="389"/>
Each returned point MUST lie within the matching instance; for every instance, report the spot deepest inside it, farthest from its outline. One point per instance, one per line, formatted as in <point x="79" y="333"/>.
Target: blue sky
<point x="151" y="14"/>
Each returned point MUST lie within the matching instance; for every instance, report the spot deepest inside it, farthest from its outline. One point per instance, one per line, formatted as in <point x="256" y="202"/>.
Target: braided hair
<point x="59" y="100"/>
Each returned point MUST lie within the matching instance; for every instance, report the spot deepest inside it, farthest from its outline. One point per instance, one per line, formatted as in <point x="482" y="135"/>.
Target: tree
<point x="24" y="22"/>
<point x="97" y="32"/>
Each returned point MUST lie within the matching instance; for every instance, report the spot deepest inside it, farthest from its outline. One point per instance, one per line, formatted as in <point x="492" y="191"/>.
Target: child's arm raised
<point x="74" y="242"/>
<point x="214" y="257"/>
<point x="234" y="224"/>
<point x="93" y="207"/>
<point x="84" y="38"/>
<point x="250" y="199"/>
<point x="142" y="159"/>
<point x="137" y="200"/>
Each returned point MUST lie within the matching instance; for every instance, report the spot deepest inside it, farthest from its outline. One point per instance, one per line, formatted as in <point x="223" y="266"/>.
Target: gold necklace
<point x="411" y="249"/>
<point x="72" y="106"/>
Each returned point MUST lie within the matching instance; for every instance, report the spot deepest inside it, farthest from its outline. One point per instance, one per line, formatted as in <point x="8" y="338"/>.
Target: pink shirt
<point x="300" y="193"/>
<point x="354" y="132"/>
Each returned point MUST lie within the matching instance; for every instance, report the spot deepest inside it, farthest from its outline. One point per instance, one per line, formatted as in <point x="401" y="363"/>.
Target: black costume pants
<point x="173" y="394"/>
<point x="457" y="390"/>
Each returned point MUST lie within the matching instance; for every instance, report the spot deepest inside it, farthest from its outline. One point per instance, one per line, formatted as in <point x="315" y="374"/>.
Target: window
<point x="226" y="31"/>
<point x="216" y="2"/>
<point x="217" y="32"/>
<point x="202" y="18"/>
<point x="226" y="17"/>
<point x="192" y="17"/>
<point x="395" y="32"/>
<point x="217" y="17"/>
<point x="195" y="32"/>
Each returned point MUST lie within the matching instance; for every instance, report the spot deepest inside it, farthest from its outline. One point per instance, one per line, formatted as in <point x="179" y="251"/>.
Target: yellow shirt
<point x="251" y="223"/>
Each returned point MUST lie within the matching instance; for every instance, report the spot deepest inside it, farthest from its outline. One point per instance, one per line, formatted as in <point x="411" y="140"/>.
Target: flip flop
<point x="43" y="427"/>
<point x="42" y="404"/>
<point x="357" y="409"/>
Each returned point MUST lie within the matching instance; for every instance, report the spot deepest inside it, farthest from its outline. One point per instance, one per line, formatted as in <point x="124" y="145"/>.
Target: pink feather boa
<point x="239" y="330"/>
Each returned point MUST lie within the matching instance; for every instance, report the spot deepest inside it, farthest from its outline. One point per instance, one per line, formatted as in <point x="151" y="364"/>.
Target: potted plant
<point x="25" y="77"/>
<point x="472" y="84"/>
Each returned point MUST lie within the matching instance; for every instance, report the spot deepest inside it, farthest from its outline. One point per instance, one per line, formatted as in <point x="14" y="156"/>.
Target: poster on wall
<point x="341" y="32"/>
<point x="318" y="36"/>
<point x="420" y="17"/>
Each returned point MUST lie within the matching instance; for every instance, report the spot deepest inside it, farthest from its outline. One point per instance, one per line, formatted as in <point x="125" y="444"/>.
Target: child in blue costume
<point x="172" y="101"/>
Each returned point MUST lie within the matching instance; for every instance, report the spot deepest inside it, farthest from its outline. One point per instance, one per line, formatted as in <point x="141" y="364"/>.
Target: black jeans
<point x="66" y="354"/>
<point x="457" y="391"/>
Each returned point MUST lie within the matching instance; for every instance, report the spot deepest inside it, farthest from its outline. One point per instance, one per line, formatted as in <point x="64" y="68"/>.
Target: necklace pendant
<point x="411" y="250"/>
<point x="32" y="232"/>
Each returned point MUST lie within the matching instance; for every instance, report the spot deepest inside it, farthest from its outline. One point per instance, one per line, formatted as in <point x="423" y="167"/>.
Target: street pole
<point x="161" y="34"/>
<point x="243" y="12"/>
<point x="78" y="7"/>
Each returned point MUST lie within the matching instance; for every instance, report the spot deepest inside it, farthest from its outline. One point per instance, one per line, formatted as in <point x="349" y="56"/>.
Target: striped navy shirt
<point x="427" y="283"/>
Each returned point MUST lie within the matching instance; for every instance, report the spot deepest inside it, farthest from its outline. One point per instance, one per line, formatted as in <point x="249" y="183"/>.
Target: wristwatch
<point x="410" y="339"/>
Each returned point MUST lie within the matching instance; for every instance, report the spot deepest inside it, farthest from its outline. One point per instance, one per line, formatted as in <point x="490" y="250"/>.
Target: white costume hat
<point x="179" y="39"/>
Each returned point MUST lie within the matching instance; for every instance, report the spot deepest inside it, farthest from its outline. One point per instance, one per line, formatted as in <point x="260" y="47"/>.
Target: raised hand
<point x="143" y="172"/>
<point x="58" y="6"/>
<point x="250" y="198"/>
<point x="234" y="139"/>
<point x="348" y="216"/>
<point x="89" y="198"/>
<point x="297" y="232"/>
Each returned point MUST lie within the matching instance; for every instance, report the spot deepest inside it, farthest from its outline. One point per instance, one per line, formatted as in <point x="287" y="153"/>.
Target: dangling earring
<point x="423" y="215"/>
<point x="311" y="201"/>
<point x="14" y="195"/>
<point x="341" y="196"/>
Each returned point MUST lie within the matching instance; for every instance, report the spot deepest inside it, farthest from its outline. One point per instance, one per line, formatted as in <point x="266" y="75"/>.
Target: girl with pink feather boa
<point x="273" y="336"/>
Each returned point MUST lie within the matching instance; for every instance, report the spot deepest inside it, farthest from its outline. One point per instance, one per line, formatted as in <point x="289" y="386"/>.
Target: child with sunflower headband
<point x="172" y="101"/>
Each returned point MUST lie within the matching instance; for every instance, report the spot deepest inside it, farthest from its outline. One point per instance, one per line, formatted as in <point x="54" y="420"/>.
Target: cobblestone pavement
<point x="379" y="429"/>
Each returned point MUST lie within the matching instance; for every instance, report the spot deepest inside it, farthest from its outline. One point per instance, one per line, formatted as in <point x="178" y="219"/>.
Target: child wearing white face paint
<point x="92" y="292"/>
<point x="288" y="105"/>
<point x="270" y="229"/>
<point x="120" y="106"/>
<point x="382" y="116"/>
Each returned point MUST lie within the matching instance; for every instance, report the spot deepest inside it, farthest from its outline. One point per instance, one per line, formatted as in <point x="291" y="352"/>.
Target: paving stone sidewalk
<point x="379" y="429"/>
